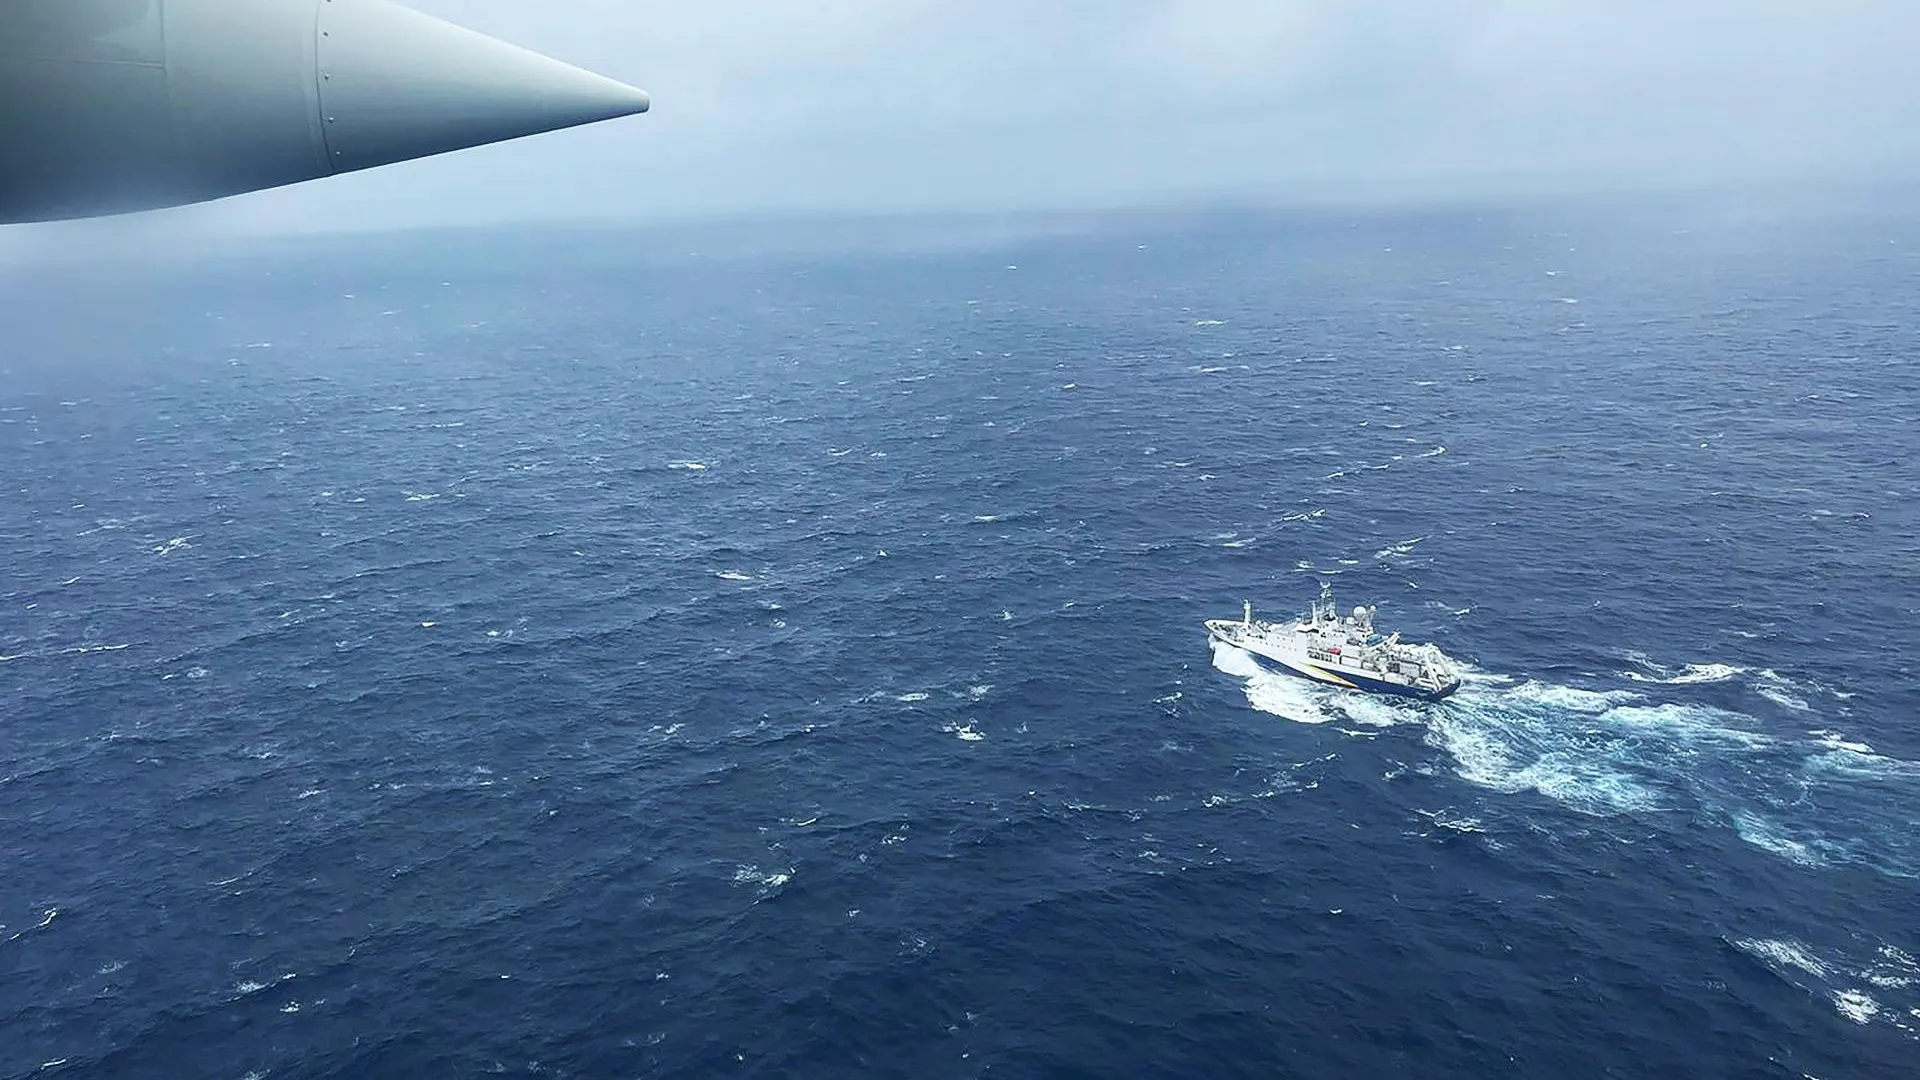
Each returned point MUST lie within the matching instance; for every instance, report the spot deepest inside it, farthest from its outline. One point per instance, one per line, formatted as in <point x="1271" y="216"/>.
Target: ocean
<point x="644" y="653"/>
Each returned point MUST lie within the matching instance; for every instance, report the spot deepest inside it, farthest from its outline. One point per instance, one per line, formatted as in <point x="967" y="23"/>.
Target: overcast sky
<point x="889" y="105"/>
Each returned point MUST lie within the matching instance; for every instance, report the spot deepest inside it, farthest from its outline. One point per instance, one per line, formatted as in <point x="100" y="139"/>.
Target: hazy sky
<point x="995" y="104"/>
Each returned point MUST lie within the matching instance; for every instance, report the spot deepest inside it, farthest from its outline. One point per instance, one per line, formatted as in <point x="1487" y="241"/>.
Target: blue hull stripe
<point x="1357" y="680"/>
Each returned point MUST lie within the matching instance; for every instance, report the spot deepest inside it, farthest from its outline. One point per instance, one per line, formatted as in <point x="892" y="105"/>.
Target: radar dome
<point x="1360" y="611"/>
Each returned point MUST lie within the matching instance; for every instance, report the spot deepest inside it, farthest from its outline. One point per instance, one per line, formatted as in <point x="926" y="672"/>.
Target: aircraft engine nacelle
<point x="110" y="106"/>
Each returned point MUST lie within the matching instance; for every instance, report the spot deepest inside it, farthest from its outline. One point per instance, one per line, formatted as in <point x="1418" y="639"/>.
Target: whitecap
<point x="1838" y="977"/>
<point x="1783" y="953"/>
<point x="1833" y="740"/>
<point x="1767" y="835"/>
<point x="769" y="882"/>
<point x="1403" y="548"/>
<point x="1780" y="690"/>
<point x="1856" y="1006"/>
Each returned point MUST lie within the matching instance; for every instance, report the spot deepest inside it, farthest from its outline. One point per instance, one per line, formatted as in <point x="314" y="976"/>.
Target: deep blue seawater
<point x="582" y="655"/>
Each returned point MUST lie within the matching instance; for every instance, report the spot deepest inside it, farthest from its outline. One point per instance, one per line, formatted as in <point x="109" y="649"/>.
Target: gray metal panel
<point x="99" y="113"/>
<point x="246" y="103"/>
<point x="97" y="31"/>
<point x="79" y="133"/>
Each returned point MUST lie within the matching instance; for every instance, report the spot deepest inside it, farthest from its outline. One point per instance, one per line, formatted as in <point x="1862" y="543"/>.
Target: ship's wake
<point x="1816" y="799"/>
<point x="1300" y="701"/>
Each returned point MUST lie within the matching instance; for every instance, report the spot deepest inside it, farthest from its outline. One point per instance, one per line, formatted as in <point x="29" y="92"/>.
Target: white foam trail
<point x="1690" y="724"/>
<point x="1501" y="754"/>
<point x="1833" y="740"/>
<point x="1234" y="661"/>
<point x="1767" y="836"/>
<point x="1816" y="803"/>
<point x="1284" y="696"/>
<point x="1784" y="953"/>
<point x="1371" y="711"/>
<point x="1769" y="684"/>
<point x="1569" y="698"/>
<point x="1857" y="761"/>
<point x="1522" y="739"/>
<point x="1287" y="698"/>
<point x="1692" y="673"/>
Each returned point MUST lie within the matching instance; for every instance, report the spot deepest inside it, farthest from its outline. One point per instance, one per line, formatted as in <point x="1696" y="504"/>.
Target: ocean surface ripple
<point x="549" y="657"/>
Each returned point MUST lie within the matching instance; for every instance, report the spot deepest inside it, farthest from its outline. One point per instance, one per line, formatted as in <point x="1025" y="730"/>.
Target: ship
<point x="1341" y="651"/>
